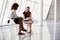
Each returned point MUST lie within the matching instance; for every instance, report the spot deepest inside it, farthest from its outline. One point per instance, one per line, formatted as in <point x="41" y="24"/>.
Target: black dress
<point x="26" y="15"/>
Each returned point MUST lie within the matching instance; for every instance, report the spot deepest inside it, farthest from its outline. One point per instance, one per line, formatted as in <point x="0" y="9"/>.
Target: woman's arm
<point x="31" y="16"/>
<point x="23" y="16"/>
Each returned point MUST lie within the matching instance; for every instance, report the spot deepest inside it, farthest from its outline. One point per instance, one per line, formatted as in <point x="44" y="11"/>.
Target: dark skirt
<point x="16" y="20"/>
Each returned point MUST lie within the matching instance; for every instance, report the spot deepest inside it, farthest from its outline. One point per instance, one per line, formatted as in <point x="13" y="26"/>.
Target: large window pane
<point x="22" y="5"/>
<point x="7" y="11"/>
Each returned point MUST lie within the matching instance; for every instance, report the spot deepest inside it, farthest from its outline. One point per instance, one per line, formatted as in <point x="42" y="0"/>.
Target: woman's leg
<point x="30" y="25"/>
<point x="21" y="25"/>
<point x="19" y="29"/>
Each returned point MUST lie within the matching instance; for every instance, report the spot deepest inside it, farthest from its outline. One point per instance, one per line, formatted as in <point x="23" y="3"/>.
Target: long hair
<point x="14" y="6"/>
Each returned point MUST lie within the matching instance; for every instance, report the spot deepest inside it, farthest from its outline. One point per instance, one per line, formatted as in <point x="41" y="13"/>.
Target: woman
<point x="28" y="17"/>
<point x="17" y="20"/>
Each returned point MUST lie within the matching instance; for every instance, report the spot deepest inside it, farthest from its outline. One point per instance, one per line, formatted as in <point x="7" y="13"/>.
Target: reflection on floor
<point x="49" y="31"/>
<point x="11" y="33"/>
<point x="35" y="35"/>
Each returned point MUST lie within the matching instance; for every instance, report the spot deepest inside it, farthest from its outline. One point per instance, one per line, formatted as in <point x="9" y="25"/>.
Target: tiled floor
<point x="49" y="31"/>
<point x="11" y="33"/>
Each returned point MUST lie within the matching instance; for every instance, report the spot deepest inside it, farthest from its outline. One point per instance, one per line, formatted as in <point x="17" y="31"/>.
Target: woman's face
<point x="16" y="8"/>
<point x="27" y="9"/>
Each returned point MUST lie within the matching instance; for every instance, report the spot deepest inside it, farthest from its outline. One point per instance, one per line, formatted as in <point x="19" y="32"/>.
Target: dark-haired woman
<point x="17" y="20"/>
<point x="28" y="17"/>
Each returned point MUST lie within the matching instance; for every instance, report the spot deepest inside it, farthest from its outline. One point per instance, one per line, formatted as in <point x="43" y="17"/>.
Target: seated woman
<point x="28" y="17"/>
<point x="17" y="20"/>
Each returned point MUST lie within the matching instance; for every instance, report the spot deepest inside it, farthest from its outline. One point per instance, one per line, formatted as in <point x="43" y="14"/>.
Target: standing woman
<point x="16" y="19"/>
<point x="28" y="17"/>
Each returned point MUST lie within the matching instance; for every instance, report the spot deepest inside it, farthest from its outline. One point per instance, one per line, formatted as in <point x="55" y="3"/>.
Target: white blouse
<point x="13" y="14"/>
